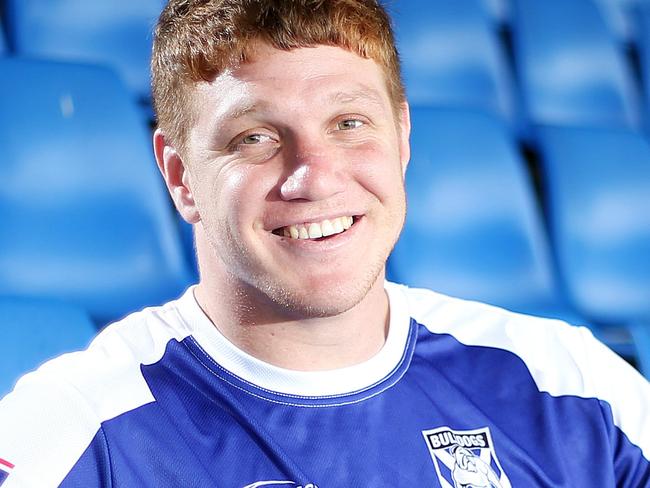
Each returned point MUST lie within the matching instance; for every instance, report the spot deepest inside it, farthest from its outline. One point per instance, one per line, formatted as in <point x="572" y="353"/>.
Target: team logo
<point x="465" y="458"/>
<point x="279" y="484"/>
<point x="5" y="470"/>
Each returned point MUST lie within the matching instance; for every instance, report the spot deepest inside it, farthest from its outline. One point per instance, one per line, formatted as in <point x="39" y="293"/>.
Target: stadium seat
<point x="84" y="214"/>
<point x="187" y="239"/>
<point x="3" y="41"/>
<point x="451" y="56"/>
<point x="35" y="330"/>
<point x="598" y="192"/>
<point x="499" y="10"/>
<point x="618" y="16"/>
<point x="473" y="228"/>
<point x="97" y="31"/>
<point x="641" y="334"/>
<point x="643" y="41"/>
<point x="572" y="70"/>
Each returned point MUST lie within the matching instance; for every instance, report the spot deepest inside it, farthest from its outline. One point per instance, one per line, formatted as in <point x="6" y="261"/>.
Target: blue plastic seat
<point x="97" y="31"/>
<point x="499" y="10"/>
<point x="84" y="214"/>
<point x="187" y="239"/>
<point x="599" y="200"/>
<point x="451" y="56"/>
<point x="571" y="68"/>
<point x="643" y="41"/>
<point x="618" y="16"/>
<point x="473" y="228"/>
<point x="3" y="41"/>
<point x="598" y="191"/>
<point x="35" y="330"/>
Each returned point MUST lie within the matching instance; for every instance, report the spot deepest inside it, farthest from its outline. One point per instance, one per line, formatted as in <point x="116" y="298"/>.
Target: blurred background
<point x="528" y="187"/>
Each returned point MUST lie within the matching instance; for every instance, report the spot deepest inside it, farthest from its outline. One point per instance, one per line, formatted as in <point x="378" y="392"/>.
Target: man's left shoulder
<point x="563" y="360"/>
<point x="481" y="324"/>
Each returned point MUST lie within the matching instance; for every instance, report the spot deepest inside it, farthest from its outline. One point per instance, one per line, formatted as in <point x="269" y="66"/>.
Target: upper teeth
<point x="314" y="230"/>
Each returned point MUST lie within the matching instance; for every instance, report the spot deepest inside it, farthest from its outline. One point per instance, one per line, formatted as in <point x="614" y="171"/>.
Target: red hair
<point x="196" y="40"/>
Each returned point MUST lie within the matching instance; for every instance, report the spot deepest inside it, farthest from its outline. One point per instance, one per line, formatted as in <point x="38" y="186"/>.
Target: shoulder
<point x="53" y="413"/>
<point x="562" y="359"/>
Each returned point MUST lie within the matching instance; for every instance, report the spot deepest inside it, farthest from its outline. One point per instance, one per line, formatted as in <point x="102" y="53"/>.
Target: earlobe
<point x="177" y="177"/>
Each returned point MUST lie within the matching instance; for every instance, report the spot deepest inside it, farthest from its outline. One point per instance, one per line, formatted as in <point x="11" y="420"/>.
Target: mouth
<point x="317" y="230"/>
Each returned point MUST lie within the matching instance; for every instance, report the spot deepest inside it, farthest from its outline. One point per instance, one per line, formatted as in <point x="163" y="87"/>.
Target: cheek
<point x="237" y="195"/>
<point x="377" y="167"/>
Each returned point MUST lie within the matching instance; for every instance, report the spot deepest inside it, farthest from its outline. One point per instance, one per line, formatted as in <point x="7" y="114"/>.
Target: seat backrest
<point x="472" y="228"/>
<point x="85" y="216"/>
<point x="499" y="10"/>
<point x="35" y="330"/>
<point x="598" y="191"/>
<point x="571" y="68"/>
<point x="642" y="18"/>
<point x="3" y="41"/>
<point x="97" y="31"/>
<point x="618" y="15"/>
<point x="451" y="55"/>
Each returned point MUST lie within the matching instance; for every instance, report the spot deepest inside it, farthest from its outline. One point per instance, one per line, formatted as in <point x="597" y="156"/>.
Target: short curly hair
<point x="196" y="40"/>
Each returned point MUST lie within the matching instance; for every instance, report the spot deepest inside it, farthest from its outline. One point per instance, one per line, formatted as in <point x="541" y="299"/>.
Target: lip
<point x="330" y="243"/>
<point x="313" y="218"/>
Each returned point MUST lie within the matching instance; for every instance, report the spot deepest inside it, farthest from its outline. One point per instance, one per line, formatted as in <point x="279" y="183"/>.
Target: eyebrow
<point x="363" y="95"/>
<point x="236" y="112"/>
<point x="241" y="110"/>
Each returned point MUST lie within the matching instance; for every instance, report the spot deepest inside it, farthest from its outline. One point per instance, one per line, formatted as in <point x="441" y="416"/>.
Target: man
<point x="283" y="137"/>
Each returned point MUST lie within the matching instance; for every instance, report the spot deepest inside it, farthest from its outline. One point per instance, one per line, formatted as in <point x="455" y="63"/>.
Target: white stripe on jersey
<point x="562" y="359"/>
<point x="67" y="403"/>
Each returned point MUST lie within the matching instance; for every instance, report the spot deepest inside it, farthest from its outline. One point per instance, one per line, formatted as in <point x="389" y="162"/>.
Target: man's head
<point x="279" y="121"/>
<point x="196" y="40"/>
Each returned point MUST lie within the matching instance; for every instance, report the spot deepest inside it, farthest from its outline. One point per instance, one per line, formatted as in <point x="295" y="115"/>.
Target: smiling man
<point x="293" y="175"/>
<point x="283" y="138"/>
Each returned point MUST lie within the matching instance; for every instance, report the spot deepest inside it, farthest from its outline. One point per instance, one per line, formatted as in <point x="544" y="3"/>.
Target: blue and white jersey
<point x="461" y="395"/>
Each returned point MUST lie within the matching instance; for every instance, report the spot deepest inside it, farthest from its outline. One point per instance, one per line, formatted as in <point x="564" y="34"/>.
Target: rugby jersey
<point x="461" y="395"/>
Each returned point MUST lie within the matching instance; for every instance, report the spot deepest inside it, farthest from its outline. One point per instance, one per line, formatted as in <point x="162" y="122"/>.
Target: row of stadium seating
<point x="619" y="15"/>
<point x="85" y="218"/>
<point x="88" y="233"/>
<point x="474" y="228"/>
<point x="116" y="34"/>
<point x="563" y="70"/>
<point x="553" y="69"/>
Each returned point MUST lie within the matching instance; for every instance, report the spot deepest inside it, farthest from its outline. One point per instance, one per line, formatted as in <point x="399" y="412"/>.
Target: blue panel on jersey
<point x="93" y="468"/>
<point x="210" y="428"/>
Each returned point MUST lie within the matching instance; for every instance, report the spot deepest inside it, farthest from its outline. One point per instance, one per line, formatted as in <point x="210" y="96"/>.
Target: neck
<point x="262" y="330"/>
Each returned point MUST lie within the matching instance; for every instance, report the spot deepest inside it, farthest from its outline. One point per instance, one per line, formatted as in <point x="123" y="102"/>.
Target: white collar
<point x="313" y="383"/>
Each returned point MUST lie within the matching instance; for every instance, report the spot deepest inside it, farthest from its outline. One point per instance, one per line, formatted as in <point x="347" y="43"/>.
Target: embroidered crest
<point x="465" y="458"/>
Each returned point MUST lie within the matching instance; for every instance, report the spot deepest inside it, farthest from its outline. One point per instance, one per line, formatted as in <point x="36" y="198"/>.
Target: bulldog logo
<point x="465" y="459"/>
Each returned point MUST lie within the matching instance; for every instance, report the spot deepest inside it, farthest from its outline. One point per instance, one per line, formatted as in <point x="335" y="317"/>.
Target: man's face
<point x="296" y="164"/>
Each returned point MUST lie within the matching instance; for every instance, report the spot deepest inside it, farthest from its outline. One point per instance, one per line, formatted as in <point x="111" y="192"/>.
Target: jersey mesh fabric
<point x="162" y="399"/>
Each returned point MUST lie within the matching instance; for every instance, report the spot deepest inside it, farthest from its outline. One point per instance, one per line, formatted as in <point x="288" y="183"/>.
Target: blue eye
<point x="349" y="124"/>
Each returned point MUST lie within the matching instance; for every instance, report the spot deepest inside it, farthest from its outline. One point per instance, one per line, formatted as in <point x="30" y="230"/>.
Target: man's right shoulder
<point x="59" y="407"/>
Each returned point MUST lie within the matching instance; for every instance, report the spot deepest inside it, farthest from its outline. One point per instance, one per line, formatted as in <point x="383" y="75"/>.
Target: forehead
<point x="275" y="79"/>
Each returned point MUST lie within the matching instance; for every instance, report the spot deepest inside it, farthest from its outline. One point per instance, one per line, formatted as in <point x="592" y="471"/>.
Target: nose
<point x="314" y="171"/>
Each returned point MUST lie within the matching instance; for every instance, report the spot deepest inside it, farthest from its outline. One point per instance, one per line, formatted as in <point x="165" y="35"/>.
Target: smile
<point x="316" y="230"/>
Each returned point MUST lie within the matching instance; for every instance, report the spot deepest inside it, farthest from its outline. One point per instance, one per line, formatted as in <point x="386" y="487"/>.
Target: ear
<point x="404" y="134"/>
<point x="177" y="177"/>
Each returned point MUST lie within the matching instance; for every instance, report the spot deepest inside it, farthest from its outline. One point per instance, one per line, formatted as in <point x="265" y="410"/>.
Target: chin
<point x="325" y="296"/>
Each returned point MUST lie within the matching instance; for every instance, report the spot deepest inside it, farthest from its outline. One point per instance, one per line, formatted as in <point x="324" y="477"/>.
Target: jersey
<point x="461" y="395"/>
